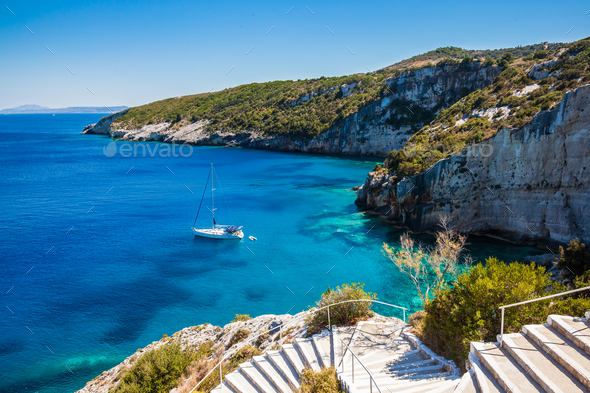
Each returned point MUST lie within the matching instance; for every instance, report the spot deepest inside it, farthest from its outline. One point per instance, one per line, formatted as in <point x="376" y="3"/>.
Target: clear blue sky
<point x="135" y="52"/>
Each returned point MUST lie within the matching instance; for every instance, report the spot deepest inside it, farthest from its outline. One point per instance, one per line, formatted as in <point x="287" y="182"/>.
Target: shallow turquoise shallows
<point x="98" y="258"/>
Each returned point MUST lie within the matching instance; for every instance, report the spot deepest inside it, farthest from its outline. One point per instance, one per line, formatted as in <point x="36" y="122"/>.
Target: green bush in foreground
<point x="468" y="311"/>
<point x="156" y="371"/>
<point x="343" y="314"/>
<point x="323" y="381"/>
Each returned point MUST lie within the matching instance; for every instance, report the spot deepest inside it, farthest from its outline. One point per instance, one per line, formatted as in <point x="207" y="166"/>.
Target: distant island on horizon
<point x="33" y="109"/>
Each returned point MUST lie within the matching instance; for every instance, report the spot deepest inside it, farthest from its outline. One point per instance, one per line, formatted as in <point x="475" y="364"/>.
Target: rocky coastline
<point x="530" y="186"/>
<point x="273" y="329"/>
<point x="368" y="132"/>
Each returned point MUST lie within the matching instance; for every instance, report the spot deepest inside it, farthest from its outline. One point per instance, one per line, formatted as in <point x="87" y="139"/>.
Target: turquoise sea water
<point x="98" y="258"/>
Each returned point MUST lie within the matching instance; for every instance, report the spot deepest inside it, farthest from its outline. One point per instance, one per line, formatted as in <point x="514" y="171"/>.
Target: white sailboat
<point x="216" y="231"/>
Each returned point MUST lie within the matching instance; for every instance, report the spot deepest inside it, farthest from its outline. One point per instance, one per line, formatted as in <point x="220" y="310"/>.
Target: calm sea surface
<point x="98" y="260"/>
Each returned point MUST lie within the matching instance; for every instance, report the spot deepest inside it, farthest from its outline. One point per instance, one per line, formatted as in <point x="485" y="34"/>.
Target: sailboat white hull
<point x="217" y="233"/>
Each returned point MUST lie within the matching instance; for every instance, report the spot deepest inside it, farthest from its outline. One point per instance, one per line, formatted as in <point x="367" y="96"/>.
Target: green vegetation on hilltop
<point x="270" y="107"/>
<point x="453" y="52"/>
<point x="302" y="109"/>
<point x="548" y="74"/>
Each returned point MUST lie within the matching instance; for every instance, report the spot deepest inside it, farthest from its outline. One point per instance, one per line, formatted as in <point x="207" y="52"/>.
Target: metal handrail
<point x="279" y="326"/>
<point x="531" y="301"/>
<point x="361" y="363"/>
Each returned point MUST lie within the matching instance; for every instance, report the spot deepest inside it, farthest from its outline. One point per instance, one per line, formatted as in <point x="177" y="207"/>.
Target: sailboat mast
<point x="212" y="203"/>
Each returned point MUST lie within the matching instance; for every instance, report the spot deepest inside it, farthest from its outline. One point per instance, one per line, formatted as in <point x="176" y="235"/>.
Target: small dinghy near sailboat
<point x="216" y="231"/>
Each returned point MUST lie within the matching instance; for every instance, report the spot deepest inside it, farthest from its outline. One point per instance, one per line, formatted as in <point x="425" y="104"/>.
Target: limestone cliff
<point x="410" y="99"/>
<point x="529" y="185"/>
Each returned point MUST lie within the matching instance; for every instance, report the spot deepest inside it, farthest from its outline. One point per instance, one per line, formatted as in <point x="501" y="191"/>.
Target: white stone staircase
<point x="398" y="363"/>
<point x="553" y="358"/>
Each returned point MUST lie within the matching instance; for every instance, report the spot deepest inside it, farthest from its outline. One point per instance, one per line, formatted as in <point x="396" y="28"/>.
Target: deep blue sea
<point x="98" y="259"/>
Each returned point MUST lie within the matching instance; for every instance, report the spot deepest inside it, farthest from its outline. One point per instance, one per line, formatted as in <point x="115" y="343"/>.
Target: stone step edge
<point x="494" y="368"/>
<point x="305" y="355"/>
<point x="415" y="384"/>
<point x="562" y="327"/>
<point x="234" y="387"/>
<point x="359" y="370"/>
<point x="564" y="360"/>
<point x="527" y="364"/>
<point x="263" y="358"/>
<point x="468" y="377"/>
<point x="480" y="377"/>
<point x="293" y="383"/>
<point x="315" y="339"/>
<point x="429" y="353"/>
<point x="253" y="381"/>
<point x="400" y="366"/>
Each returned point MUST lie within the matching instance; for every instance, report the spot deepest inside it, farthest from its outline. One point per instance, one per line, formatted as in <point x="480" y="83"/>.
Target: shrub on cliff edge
<point x="156" y="371"/>
<point x="468" y="310"/>
<point x="343" y="314"/>
<point x="239" y="336"/>
<point x="323" y="381"/>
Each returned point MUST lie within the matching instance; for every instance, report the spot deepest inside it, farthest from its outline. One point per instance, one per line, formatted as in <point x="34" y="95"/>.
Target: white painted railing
<point x="361" y="363"/>
<point x="531" y="301"/>
<point x="306" y="315"/>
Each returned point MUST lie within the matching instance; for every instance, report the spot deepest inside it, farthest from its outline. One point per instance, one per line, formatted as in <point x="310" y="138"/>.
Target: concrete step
<point x="468" y="383"/>
<point x="419" y="370"/>
<point x="446" y="387"/>
<point x="309" y="355"/>
<point x="540" y="366"/>
<point x="565" y="352"/>
<point x="281" y="363"/>
<point x="402" y="385"/>
<point x="505" y="370"/>
<point x="294" y="357"/>
<point x="344" y="334"/>
<point x="223" y="388"/>
<point x="386" y="353"/>
<point x="323" y="346"/>
<point x="575" y="329"/>
<point x="273" y="374"/>
<point x="372" y="334"/>
<point x="240" y="384"/>
<point x="485" y="381"/>
<point x="257" y="378"/>
<point x="401" y="359"/>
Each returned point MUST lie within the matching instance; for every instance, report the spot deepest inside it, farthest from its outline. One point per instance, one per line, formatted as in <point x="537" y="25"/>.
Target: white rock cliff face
<point x="528" y="185"/>
<point x="367" y="132"/>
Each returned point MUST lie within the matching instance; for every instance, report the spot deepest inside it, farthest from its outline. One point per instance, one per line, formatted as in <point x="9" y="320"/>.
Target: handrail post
<point x="371" y="385"/>
<point x="329" y="326"/>
<point x="220" y="374"/>
<point x="352" y="360"/>
<point x="502" y="329"/>
<point x="404" y="310"/>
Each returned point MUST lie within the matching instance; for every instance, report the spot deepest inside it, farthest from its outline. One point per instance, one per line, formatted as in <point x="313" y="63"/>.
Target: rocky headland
<point x="370" y="131"/>
<point x="527" y="185"/>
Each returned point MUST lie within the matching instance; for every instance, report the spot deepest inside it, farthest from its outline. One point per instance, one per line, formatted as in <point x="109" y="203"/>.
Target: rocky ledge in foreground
<point x="531" y="186"/>
<point x="293" y="326"/>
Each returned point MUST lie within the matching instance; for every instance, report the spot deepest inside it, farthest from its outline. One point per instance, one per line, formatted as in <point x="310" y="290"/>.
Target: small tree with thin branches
<point x="428" y="267"/>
